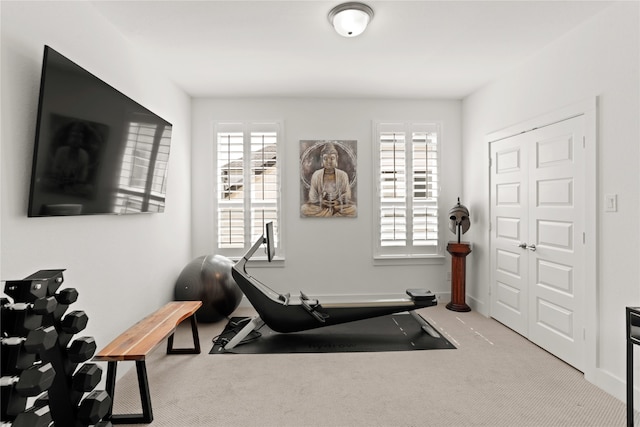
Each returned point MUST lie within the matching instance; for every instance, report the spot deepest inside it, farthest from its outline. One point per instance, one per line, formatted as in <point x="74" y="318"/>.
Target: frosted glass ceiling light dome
<point x="350" y="19"/>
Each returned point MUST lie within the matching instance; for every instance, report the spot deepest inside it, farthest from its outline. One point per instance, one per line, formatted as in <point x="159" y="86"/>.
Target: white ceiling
<point x="412" y="49"/>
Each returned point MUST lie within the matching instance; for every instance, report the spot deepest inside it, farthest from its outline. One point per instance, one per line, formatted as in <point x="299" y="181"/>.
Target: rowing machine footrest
<point x="421" y="294"/>
<point x="284" y="298"/>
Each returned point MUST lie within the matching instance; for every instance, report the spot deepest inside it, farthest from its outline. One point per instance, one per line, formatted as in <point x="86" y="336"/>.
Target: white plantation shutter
<point x="247" y="184"/>
<point x="407" y="202"/>
<point x="393" y="189"/>
<point x="264" y="183"/>
<point x="231" y="171"/>
<point x="425" y="188"/>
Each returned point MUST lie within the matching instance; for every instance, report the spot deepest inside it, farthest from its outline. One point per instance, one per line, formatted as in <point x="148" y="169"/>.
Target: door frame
<point x="588" y="109"/>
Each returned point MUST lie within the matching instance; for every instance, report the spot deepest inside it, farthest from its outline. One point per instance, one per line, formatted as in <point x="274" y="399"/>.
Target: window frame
<point x="247" y="127"/>
<point x="408" y="254"/>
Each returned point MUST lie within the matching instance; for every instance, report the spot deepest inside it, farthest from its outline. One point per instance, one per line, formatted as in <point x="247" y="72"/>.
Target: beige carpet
<point x="493" y="378"/>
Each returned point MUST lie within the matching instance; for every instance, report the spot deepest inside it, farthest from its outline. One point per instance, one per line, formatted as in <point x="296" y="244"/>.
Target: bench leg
<point x="145" y="397"/>
<point x="196" y="341"/>
<point x="629" y="382"/>
<point x="629" y="329"/>
<point x="110" y="385"/>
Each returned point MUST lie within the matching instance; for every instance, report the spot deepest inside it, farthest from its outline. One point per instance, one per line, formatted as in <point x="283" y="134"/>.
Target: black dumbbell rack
<point x="45" y="380"/>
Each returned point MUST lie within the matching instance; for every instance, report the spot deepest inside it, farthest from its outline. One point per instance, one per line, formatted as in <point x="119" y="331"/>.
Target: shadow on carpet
<point x="396" y="332"/>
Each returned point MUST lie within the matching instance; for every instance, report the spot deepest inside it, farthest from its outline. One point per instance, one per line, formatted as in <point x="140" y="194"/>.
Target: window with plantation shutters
<point x="247" y="184"/>
<point x="406" y="169"/>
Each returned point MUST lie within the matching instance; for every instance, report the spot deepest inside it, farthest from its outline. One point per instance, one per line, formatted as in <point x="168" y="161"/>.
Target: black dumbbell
<point x="19" y="318"/>
<point x="43" y="305"/>
<point x="15" y="361"/>
<point x="81" y="349"/>
<point x="74" y="322"/>
<point x="65" y="298"/>
<point x="36" y="341"/>
<point x="71" y="324"/>
<point x="32" y="381"/>
<point x="94" y="407"/>
<point x="12" y="404"/>
<point x="84" y="380"/>
<point x="19" y="323"/>
<point x="34" y="417"/>
<point x="87" y="377"/>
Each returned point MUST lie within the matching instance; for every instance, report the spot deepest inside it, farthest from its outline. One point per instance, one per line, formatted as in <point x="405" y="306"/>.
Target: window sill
<point x="381" y="260"/>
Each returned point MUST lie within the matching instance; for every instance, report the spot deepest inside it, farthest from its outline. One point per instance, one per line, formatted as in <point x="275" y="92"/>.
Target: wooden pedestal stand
<point x="459" y="252"/>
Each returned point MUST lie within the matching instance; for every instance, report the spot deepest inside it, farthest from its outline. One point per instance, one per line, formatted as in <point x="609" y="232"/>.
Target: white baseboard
<point x="478" y="305"/>
<point x="615" y="386"/>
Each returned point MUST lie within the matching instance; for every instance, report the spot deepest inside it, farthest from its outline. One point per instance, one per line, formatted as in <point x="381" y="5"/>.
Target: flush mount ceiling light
<point x="350" y="19"/>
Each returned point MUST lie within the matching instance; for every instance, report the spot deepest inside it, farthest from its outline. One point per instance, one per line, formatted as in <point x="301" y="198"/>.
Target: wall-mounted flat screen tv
<point x="96" y="150"/>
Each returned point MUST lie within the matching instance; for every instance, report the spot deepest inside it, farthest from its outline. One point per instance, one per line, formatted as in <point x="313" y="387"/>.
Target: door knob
<point x="522" y="245"/>
<point x="532" y="248"/>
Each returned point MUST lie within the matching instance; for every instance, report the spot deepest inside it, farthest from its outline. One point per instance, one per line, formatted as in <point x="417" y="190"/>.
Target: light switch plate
<point x="611" y="203"/>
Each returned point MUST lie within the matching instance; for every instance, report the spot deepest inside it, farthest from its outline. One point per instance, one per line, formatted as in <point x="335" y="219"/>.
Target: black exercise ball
<point x="208" y="279"/>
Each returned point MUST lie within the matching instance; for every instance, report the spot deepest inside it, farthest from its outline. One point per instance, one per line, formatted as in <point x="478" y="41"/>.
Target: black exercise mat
<point x="396" y="332"/>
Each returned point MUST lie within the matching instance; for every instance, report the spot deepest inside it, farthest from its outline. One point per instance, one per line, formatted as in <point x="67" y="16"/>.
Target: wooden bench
<point x="137" y="342"/>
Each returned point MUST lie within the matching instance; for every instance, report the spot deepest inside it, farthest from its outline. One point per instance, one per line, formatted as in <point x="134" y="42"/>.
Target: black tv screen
<point x="96" y="150"/>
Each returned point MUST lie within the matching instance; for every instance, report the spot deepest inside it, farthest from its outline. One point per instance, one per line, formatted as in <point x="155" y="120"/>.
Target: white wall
<point x="122" y="266"/>
<point x="599" y="58"/>
<point x="328" y="256"/>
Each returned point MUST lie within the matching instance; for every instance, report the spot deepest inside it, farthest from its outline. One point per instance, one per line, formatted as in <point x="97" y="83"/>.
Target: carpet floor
<point x="494" y="377"/>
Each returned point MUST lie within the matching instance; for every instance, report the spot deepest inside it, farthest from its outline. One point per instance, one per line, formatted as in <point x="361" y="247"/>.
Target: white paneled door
<point x="537" y="236"/>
